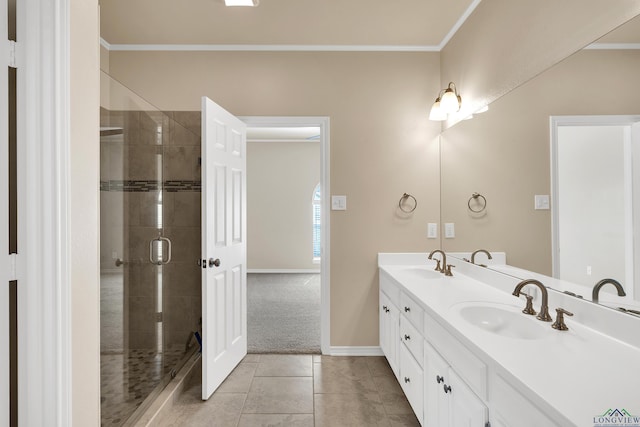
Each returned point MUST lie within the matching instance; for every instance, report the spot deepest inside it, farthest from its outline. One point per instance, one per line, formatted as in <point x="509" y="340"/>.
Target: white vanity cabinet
<point x="457" y="369"/>
<point x="411" y="353"/>
<point x="390" y="323"/>
<point x="448" y="400"/>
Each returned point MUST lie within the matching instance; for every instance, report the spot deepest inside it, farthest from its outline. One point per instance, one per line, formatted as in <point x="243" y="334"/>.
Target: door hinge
<point x="11" y="61"/>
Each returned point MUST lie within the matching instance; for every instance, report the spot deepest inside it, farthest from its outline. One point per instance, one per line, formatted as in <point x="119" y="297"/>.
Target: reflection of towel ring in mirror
<point x="404" y="197"/>
<point x="482" y="203"/>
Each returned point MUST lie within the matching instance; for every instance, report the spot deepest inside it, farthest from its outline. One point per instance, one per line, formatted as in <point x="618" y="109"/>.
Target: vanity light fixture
<point x="436" y="113"/>
<point x="251" y="3"/>
<point x="447" y="102"/>
<point x="450" y="102"/>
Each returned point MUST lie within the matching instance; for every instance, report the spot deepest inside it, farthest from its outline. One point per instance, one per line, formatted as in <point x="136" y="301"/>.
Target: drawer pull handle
<point x="407" y="337"/>
<point x="447" y="388"/>
<point x="439" y="379"/>
<point x="407" y="309"/>
<point x="407" y="380"/>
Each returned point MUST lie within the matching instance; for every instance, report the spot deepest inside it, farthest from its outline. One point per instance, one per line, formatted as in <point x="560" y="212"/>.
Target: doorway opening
<point x="288" y="229"/>
<point x="595" y="163"/>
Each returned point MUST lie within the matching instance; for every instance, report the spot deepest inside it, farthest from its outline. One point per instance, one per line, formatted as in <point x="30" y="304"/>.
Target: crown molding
<point x="262" y="48"/>
<point x="291" y="47"/>
<point x="613" y="46"/>
<point x="458" y="24"/>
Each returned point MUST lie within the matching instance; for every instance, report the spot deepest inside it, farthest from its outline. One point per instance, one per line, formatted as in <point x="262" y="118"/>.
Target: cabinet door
<point x="411" y="380"/>
<point x="389" y="332"/>
<point x="436" y="410"/>
<point x="465" y="408"/>
<point x="384" y="324"/>
<point x="394" y="338"/>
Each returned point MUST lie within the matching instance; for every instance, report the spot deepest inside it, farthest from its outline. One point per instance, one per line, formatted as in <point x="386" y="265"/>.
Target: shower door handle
<point x="154" y="259"/>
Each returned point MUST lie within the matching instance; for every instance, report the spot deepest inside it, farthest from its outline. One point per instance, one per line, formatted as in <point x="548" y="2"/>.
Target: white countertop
<point x="580" y="373"/>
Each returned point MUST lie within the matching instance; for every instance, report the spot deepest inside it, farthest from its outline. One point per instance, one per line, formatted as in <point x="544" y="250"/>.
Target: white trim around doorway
<point x="323" y="124"/>
<point x="43" y="185"/>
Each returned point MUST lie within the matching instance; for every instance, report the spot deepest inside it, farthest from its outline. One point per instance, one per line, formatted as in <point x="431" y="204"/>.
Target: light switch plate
<point x="541" y="202"/>
<point x="338" y="203"/>
<point x="449" y="230"/>
<point x="432" y="230"/>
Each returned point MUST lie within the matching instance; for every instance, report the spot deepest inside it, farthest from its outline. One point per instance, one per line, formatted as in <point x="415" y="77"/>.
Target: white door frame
<point x="323" y="124"/>
<point x="43" y="181"/>
<point x="602" y="120"/>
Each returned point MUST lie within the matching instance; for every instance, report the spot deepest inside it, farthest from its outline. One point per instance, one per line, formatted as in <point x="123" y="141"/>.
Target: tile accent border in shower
<point x="144" y="186"/>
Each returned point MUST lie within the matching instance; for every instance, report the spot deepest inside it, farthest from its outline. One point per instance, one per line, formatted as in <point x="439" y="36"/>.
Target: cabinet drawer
<point x="390" y="289"/>
<point x="412" y="381"/>
<point x="412" y="311"/>
<point x="410" y="336"/>
<point x="472" y="370"/>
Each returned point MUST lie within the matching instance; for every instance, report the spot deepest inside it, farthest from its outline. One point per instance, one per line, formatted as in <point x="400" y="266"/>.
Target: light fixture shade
<point x="450" y="102"/>
<point x="436" y="113"/>
<point x="241" y="2"/>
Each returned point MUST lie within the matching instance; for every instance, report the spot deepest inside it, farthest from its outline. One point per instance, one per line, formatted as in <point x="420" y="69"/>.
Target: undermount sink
<point x="502" y="319"/>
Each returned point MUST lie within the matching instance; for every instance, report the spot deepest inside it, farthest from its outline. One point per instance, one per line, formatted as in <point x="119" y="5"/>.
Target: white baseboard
<point x="283" y="271"/>
<point x="356" y="351"/>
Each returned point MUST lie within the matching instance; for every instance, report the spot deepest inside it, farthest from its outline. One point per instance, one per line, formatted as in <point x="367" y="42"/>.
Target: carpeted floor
<point x="283" y="313"/>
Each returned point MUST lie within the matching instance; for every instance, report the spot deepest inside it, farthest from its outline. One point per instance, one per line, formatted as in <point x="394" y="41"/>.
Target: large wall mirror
<point x="506" y="156"/>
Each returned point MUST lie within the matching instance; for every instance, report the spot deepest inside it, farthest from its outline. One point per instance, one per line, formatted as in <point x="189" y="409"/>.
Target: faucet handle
<point x="529" y="307"/>
<point x="438" y="268"/>
<point x="447" y="271"/>
<point x="559" y="323"/>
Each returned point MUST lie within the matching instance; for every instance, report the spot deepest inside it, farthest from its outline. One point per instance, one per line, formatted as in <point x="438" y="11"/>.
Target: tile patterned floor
<point x="299" y="391"/>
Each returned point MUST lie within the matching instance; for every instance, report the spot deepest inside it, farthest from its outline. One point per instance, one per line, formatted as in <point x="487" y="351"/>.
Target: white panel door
<point x="4" y="219"/>
<point x="465" y="408"/>
<point x="224" y="247"/>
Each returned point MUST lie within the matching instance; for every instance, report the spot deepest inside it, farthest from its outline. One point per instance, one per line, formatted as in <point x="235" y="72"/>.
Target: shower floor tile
<point x="127" y="378"/>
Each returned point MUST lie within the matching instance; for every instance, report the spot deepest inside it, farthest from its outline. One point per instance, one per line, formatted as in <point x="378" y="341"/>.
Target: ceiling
<point x="422" y="24"/>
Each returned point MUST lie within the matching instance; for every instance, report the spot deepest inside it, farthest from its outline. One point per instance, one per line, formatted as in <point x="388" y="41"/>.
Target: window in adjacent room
<point x="316" y="223"/>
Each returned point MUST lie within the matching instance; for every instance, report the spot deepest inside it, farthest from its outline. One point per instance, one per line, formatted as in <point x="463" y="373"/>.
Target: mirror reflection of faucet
<point x="601" y="283"/>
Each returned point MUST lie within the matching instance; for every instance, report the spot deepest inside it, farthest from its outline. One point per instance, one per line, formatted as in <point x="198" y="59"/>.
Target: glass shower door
<point x="148" y="294"/>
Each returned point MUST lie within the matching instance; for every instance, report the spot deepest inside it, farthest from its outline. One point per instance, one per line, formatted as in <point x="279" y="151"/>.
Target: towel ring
<point x="482" y="203"/>
<point x="404" y="197"/>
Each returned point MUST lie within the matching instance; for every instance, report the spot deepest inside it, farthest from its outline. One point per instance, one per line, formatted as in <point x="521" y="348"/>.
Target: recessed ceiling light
<point x="241" y="2"/>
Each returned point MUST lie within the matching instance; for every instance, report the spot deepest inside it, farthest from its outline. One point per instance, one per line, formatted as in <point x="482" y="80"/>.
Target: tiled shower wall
<point x="150" y="183"/>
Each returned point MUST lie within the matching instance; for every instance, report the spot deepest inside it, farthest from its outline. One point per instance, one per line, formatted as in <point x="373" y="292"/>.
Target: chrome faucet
<point x="444" y="260"/>
<point x="473" y="256"/>
<point x="601" y="283"/>
<point x="544" y="308"/>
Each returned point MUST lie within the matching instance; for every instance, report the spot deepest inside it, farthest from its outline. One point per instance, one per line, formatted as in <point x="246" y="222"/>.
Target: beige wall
<point x="382" y="144"/>
<point x="504" y="153"/>
<point x="505" y="43"/>
<point x="84" y="205"/>
<point x="281" y="177"/>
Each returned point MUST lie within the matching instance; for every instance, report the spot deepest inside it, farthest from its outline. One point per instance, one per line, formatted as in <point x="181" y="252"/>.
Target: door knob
<point x="213" y="262"/>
